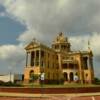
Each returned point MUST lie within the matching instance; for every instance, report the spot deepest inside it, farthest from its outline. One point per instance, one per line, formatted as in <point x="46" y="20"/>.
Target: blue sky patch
<point x="9" y="30"/>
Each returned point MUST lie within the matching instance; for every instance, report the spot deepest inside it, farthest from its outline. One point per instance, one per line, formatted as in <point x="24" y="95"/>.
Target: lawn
<point x="69" y="85"/>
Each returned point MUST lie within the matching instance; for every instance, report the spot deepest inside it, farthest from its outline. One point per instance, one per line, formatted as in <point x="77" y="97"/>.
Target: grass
<point x="69" y="85"/>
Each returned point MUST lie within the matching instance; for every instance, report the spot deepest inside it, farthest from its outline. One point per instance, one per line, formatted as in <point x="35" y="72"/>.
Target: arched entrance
<point x="31" y="75"/>
<point x="71" y="76"/>
<point x="65" y="76"/>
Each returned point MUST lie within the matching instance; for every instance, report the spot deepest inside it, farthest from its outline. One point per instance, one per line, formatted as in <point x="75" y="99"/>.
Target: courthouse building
<point x="58" y="62"/>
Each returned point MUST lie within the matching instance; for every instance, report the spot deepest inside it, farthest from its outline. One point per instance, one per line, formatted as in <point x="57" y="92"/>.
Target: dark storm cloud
<point x="76" y="16"/>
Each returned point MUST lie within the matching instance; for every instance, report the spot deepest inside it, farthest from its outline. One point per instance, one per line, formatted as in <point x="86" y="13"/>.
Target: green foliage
<point x="34" y="77"/>
<point x="61" y="81"/>
<point x="96" y="81"/>
<point x="9" y="84"/>
<point x="1" y="83"/>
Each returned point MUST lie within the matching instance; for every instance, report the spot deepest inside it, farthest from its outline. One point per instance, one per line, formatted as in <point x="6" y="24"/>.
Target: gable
<point x="32" y="45"/>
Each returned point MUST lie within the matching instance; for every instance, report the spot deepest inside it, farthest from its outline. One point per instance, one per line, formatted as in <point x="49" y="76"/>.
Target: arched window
<point x="71" y="76"/>
<point x="65" y="76"/>
<point x="31" y="75"/>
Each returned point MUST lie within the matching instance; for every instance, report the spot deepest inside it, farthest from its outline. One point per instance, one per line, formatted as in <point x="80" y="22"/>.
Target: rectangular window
<point x="71" y="66"/>
<point x="42" y="54"/>
<point x="65" y="66"/>
<point x="85" y="65"/>
<point x="32" y="58"/>
<point x="37" y="54"/>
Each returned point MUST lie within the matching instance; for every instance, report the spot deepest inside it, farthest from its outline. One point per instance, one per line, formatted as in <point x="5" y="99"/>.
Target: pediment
<point x="32" y="45"/>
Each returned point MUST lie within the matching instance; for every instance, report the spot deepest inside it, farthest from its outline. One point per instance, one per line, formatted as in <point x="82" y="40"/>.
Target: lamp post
<point x="42" y="78"/>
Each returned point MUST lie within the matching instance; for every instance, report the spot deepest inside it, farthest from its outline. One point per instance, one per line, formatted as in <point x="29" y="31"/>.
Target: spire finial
<point x="89" y="49"/>
<point x="88" y="44"/>
<point x="60" y="34"/>
<point x="34" y="39"/>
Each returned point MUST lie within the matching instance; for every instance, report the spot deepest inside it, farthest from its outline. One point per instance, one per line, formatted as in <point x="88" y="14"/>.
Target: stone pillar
<point x="81" y="74"/>
<point x="91" y="63"/>
<point x="60" y="64"/>
<point x="26" y="58"/>
<point x="91" y="69"/>
<point x="29" y="59"/>
<point x="39" y="58"/>
<point x="88" y="62"/>
<point x="68" y="75"/>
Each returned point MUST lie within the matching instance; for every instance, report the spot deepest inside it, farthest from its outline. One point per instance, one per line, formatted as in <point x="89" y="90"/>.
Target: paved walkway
<point x="47" y="95"/>
<point x="52" y="97"/>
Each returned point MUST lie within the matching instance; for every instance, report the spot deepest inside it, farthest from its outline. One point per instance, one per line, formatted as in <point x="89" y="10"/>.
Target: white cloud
<point x="50" y="17"/>
<point x="27" y="36"/>
<point x="81" y="42"/>
<point x="12" y="56"/>
<point x="2" y="14"/>
<point x="7" y="51"/>
<point x="95" y="42"/>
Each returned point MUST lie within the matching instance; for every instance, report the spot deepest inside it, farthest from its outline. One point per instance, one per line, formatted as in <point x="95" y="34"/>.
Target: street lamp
<point x="42" y="78"/>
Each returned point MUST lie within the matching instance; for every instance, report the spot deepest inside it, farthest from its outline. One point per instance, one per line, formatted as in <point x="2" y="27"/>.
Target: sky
<point x="23" y="20"/>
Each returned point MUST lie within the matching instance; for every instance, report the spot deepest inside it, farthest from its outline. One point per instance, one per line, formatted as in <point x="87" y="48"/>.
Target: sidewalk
<point x="46" y="95"/>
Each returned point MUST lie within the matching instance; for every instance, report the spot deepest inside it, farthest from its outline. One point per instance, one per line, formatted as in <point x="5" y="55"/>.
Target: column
<point x="91" y="63"/>
<point x="81" y="74"/>
<point x="68" y="66"/>
<point x="29" y="59"/>
<point x="68" y="75"/>
<point x="39" y="58"/>
<point x="92" y="70"/>
<point x="88" y="62"/>
<point x="26" y="58"/>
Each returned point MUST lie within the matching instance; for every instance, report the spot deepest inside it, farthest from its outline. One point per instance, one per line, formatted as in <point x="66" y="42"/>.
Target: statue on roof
<point x="61" y="38"/>
<point x="61" y="34"/>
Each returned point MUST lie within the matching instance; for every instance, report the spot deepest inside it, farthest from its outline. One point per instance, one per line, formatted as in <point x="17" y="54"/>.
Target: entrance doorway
<point x="71" y="76"/>
<point x="65" y="76"/>
<point x="31" y="75"/>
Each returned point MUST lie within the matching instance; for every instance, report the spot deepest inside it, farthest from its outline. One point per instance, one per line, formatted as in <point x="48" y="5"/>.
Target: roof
<point x="35" y="44"/>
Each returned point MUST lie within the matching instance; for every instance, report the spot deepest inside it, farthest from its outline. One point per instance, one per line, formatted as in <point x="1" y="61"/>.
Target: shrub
<point x="34" y="77"/>
<point x="1" y="83"/>
<point x="61" y="81"/>
<point x="9" y="84"/>
<point x="96" y="81"/>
